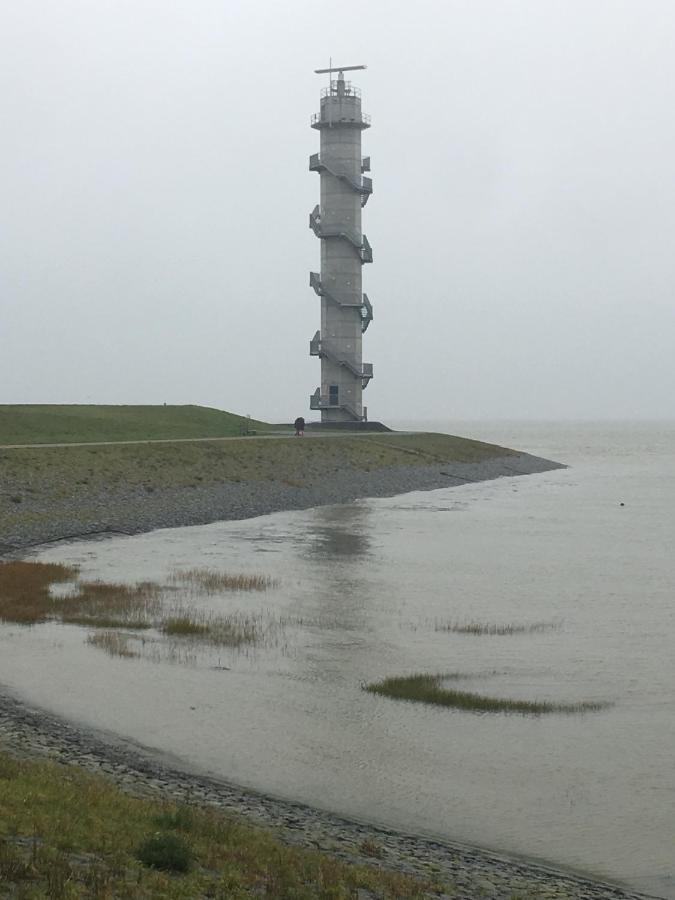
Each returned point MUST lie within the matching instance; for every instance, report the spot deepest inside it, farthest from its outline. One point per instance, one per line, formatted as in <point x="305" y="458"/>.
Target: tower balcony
<point x="328" y="118"/>
<point x="340" y="106"/>
<point x="366" y="313"/>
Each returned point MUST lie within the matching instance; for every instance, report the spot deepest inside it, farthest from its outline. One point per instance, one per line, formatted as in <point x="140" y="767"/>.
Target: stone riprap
<point x="129" y="509"/>
<point x="473" y="873"/>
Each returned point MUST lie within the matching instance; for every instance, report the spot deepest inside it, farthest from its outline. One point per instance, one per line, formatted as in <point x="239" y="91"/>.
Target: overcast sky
<point x="153" y="224"/>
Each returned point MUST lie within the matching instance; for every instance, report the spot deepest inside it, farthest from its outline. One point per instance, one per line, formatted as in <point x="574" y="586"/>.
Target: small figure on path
<point x="299" y="426"/>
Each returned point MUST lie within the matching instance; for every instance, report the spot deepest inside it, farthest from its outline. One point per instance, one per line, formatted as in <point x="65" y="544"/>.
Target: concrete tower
<point x="345" y="310"/>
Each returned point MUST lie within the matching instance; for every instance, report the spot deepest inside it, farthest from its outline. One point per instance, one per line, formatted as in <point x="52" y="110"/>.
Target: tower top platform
<point x="340" y="103"/>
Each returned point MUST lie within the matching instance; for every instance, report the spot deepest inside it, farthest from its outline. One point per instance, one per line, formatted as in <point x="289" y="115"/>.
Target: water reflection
<point x="339" y="533"/>
<point x="338" y="545"/>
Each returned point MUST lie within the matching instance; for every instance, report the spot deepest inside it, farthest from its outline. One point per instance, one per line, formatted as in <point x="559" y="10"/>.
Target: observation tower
<point x="346" y="312"/>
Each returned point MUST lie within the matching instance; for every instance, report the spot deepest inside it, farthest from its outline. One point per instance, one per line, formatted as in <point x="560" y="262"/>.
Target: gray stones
<point x="129" y="509"/>
<point x="468" y="872"/>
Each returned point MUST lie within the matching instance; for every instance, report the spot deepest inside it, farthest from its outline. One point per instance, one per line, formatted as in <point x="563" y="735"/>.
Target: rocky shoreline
<point x="32" y="733"/>
<point x="36" y="734"/>
<point x="133" y="510"/>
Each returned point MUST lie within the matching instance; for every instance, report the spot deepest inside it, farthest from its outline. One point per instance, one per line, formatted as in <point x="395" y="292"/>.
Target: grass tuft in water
<point x="113" y="642"/>
<point x="102" y="604"/>
<point x="233" y="630"/>
<point x="211" y="582"/>
<point x="184" y="626"/>
<point x="492" y="628"/>
<point x="425" y="688"/>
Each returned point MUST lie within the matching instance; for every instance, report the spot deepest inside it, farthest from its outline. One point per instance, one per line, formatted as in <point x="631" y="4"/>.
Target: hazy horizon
<point x="155" y="245"/>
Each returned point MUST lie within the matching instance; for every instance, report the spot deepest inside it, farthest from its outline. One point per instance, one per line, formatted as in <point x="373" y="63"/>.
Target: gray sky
<point x="153" y="230"/>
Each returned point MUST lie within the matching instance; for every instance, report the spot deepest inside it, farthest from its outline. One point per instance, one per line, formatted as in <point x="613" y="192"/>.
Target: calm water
<point x="361" y="587"/>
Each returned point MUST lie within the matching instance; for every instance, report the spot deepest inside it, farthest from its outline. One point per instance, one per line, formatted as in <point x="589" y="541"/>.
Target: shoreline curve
<point x="28" y="732"/>
<point x="132" y="510"/>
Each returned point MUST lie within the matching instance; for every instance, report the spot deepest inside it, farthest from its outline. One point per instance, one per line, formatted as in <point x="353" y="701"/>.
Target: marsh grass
<point x="26" y="597"/>
<point x="184" y="626"/>
<point x="102" y="604"/>
<point x="78" y="836"/>
<point x="209" y="581"/>
<point x="233" y="630"/>
<point x="24" y="590"/>
<point x="492" y="628"/>
<point x="113" y="642"/>
<point x="430" y="689"/>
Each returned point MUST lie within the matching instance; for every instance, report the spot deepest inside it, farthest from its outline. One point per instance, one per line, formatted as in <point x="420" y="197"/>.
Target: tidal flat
<point x="362" y="587"/>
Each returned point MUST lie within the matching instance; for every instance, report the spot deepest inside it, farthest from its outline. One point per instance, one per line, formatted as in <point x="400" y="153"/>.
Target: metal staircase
<point x="321" y="348"/>
<point x="358" y="242"/>
<point x="316" y="401"/>
<point x="364" y="306"/>
<point x="363" y="186"/>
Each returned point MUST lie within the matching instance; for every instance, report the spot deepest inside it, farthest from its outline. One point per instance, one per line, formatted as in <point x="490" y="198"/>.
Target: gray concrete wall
<point x="341" y="267"/>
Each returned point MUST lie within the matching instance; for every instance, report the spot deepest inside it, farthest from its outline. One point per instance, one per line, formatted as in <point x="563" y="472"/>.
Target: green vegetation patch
<point x="430" y="689"/>
<point x="50" y="424"/>
<point x="88" y="481"/>
<point x="168" y="852"/>
<point x="64" y="833"/>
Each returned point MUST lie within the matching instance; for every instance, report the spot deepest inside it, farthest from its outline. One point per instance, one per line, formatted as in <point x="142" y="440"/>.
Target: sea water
<point x="365" y="591"/>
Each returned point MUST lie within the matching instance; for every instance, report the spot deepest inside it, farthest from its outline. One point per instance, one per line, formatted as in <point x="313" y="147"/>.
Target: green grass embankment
<point x="67" y="834"/>
<point x="53" y="481"/>
<point x="54" y="424"/>
<point x="62" y="490"/>
<point x="295" y="461"/>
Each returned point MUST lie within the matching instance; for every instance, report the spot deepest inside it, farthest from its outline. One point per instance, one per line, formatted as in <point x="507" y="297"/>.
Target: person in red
<point x="299" y="426"/>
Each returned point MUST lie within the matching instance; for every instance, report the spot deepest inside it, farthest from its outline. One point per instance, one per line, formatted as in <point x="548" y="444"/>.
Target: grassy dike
<point x="51" y="424"/>
<point x="65" y="833"/>
<point x="52" y="492"/>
